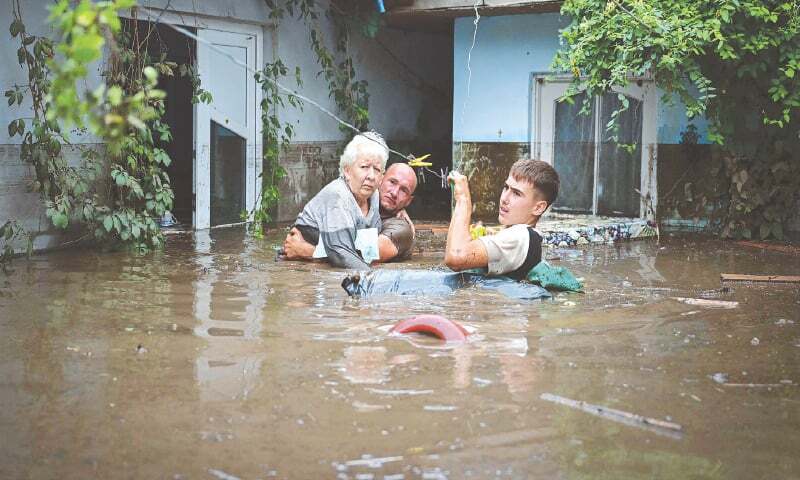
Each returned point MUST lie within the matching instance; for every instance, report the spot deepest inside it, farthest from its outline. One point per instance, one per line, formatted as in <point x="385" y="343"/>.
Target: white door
<point x="600" y="170"/>
<point x="228" y="159"/>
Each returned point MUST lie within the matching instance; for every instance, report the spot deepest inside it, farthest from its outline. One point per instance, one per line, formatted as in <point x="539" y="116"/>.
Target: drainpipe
<point x="379" y="4"/>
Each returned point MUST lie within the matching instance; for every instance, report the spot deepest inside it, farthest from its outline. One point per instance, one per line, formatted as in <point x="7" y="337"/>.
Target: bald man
<point x="396" y="237"/>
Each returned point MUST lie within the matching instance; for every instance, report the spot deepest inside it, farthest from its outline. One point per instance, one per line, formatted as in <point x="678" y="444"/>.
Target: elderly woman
<point x="343" y="219"/>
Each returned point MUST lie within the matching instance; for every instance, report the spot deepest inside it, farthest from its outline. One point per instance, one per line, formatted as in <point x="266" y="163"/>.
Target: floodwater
<point x="212" y="361"/>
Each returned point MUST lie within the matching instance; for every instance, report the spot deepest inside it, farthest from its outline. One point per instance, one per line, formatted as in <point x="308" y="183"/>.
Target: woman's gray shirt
<point x="336" y="215"/>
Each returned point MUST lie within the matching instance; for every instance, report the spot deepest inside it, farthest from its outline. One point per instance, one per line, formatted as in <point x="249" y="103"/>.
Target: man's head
<point x="531" y="187"/>
<point x="397" y="187"/>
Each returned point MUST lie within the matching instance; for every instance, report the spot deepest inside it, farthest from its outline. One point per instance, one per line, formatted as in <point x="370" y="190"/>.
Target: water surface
<point x="211" y="360"/>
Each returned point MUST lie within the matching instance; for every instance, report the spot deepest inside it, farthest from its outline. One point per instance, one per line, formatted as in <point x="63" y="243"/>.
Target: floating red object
<point x="435" y="325"/>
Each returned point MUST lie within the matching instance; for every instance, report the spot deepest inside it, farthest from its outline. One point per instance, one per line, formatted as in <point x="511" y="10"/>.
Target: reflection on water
<point x="210" y="360"/>
<point x="228" y="367"/>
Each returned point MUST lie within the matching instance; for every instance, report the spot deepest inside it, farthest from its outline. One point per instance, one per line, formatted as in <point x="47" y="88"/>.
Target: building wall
<point x="403" y="108"/>
<point x="492" y="105"/>
<point x="507" y="51"/>
<point x="409" y="83"/>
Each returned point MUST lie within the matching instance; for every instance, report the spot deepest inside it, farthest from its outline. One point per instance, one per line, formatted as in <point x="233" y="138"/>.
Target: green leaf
<point x="764" y="230"/>
<point x="60" y="220"/>
<point x="150" y="73"/>
<point x="115" y="95"/>
<point x="16" y="27"/>
<point x="86" y="48"/>
<point x="108" y="223"/>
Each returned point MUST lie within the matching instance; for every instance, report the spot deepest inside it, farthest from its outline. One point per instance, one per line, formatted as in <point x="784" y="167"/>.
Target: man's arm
<point x="295" y="246"/>
<point x="461" y="252"/>
<point x="396" y="237"/>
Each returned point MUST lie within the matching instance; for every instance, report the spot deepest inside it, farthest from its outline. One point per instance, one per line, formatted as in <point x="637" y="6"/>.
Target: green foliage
<point x="10" y="233"/>
<point x="351" y="96"/>
<point x="733" y="61"/>
<point x="276" y="136"/>
<point x="116" y="195"/>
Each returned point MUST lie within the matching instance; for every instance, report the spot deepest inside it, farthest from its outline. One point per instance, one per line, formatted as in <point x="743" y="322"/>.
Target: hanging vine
<point x="117" y="193"/>
<point x="276" y="136"/>
<point x="336" y="67"/>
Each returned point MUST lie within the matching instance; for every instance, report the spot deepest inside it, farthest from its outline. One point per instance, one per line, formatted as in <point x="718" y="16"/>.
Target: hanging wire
<point x="469" y="80"/>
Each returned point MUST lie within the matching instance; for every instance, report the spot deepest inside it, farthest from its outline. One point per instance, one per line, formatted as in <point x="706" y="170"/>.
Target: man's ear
<point x="540" y="207"/>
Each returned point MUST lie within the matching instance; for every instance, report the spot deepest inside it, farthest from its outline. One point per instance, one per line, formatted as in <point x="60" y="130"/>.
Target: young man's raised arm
<point x="462" y="252"/>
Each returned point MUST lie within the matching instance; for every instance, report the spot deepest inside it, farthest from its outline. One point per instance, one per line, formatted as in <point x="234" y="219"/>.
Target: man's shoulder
<point x="395" y="222"/>
<point x="399" y="231"/>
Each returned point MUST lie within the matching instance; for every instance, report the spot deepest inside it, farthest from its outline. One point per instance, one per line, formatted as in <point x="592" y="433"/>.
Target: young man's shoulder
<point x="507" y="249"/>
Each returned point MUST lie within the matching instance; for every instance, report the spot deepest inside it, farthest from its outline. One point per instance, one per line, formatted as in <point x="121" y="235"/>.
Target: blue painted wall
<point x="508" y="49"/>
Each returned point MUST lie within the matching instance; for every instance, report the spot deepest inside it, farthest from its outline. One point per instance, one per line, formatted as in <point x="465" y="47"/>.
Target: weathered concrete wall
<point x="487" y="165"/>
<point x="16" y="200"/>
<point x="309" y="167"/>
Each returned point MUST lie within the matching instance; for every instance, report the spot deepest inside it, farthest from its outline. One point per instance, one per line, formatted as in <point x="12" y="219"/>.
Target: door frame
<point x="201" y="160"/>
<point x="542" y="130"/>
<point x="205" y="113"/>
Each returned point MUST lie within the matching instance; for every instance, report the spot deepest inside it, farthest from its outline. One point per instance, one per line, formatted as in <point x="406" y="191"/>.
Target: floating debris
<point x="783" y="383"/>
<point x="661" y="427"/>
<point x="222" y="475"/>
<point x="371" y="462"/>
<point x="720" y="377"/>
<point x="367" y="407"/>
<point x="733" y="277"/>
<point x="704" y="302"/>
<point x="440" y="408"/>
<point x="380" y="391"/>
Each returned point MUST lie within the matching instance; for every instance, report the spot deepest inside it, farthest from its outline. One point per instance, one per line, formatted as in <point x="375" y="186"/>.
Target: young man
<point x="396" y="238"/>
<point x="531" y="187"/>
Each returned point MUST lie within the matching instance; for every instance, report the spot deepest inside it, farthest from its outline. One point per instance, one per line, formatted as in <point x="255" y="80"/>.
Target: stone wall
<point x="487" y="165"/>
<point x="18" y="201"/>
<point x="309" y="167"/>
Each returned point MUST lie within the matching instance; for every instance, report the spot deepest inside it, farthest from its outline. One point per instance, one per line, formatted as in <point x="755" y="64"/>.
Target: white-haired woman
<point x="339" y="218"/>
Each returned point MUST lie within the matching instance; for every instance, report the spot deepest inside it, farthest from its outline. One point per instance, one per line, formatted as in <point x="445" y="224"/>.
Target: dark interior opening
<point x="163" y="41"/>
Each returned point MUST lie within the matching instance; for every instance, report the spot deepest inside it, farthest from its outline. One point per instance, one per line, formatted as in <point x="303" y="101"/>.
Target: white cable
<point x="469" y="83"/>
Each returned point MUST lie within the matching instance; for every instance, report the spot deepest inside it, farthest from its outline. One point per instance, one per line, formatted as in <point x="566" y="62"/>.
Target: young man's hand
<point x="295" y="247"/>
<point x="460" y="185"/>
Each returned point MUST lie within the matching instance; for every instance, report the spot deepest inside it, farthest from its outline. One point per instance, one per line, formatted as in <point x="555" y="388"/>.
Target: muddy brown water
<point x="212" y="361"/>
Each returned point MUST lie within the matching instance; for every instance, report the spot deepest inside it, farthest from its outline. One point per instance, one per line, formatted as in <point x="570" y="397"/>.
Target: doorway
<point x="166" y="45"/>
